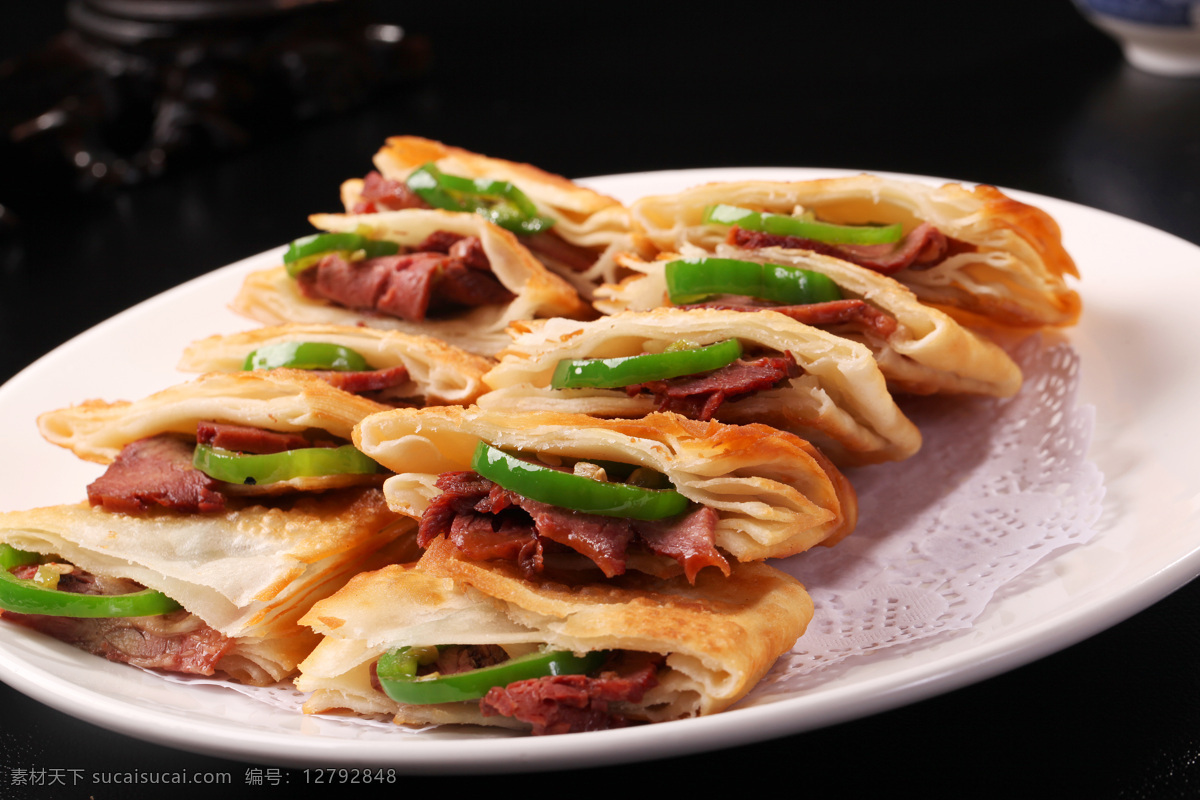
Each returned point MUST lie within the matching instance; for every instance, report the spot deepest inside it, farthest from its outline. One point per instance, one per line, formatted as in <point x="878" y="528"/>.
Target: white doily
<point x="997" y="487"/>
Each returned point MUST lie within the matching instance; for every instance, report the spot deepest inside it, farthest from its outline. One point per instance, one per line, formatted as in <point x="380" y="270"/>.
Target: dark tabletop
<point x="1023" y="94"/>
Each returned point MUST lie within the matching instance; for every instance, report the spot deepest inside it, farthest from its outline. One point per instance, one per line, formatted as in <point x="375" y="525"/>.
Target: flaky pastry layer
<point x="1013" y="275"/>
<point x="279" y="400"/>
<point x="719" y="636"/>
<point x="249" y="573"/>
<point x="439" y="374"/>
<point x="582" y="217"/>
<point x="929" y="351"/>
<point x="775" y="494"/>
<point x="840" y="401"/>
<point x="271" y="297"/>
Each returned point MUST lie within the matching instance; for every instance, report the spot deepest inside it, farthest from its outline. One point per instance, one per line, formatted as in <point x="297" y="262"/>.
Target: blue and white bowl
<point x="1159" y="36"/>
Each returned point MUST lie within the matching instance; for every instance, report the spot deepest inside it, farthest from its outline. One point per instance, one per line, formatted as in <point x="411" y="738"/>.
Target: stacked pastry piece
<point x="229" y="504"/>
<point x="452" y="275"/>
<point x="578" y="433"/>
<point x="974" y="252"/>
<point x="574" y="231"/>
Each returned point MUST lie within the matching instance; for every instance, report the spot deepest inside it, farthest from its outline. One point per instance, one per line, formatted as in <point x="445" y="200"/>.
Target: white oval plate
<point x="1136" y="370"/>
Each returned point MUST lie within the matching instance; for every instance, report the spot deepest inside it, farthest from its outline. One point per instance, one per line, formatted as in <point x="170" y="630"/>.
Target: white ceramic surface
<point x="1137" y="371"/>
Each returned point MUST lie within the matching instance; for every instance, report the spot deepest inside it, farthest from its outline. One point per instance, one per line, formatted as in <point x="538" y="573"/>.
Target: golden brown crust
<point x="402" y="154"/>
<point x="840" y="401"/>
<point x="271" y="297"/>
<point x="720" y="636"/>
<point x="1012" y="275"/>
<point x="675" y="601"/>
<point x="775" y="494"/>
<point x="1030" y="223"/>
<point x="440" y="373"/>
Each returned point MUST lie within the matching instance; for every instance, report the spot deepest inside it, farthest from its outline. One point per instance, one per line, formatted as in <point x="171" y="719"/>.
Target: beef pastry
<point x="661" y="494"/>
<point x="191" y="593"/>
<point x="975" y="252"/>
<point x="455" y="276"/>
<point x="584" y="228"/>
<point x="732" y="366"/>
<point x="199" y="445"/>
<point x="636" y="649"/>
<point x="919" y="349"/>
<point x="387" y="366"/>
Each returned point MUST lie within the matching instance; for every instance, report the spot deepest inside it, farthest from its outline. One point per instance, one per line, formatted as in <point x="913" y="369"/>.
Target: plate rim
<point x="510" y="754"/>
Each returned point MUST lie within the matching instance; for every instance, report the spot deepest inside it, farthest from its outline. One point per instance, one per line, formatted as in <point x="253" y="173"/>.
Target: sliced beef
<point x="467" y="248"/>
<point x="384" y="194"/>
<point x="502" y="537"/>
<point x="247" y="439"/>
<point x="399" y="285"/>
<point x="549" y="246"/>
<point x="481" y="522"/>
<point x="488" y="522"/>
<point x="156" y="471"/>
<point x="409" y="286"/>
<point x="921" y="248"/>
<point x="688" y="540"/>
<point x="604" y="540"/>
<point x="461" y="285"/>
<point x="461" y="493"/>
<point x="470" y="250"/>
<point x="463" y="658"/>
<point x="699" y="396"/>
<point x="573" y="703"/>
<point x="176" y="642"/>
<point x="367" y="382"/>
<point x="438" y="242"/>
<point x="857" y="314"/>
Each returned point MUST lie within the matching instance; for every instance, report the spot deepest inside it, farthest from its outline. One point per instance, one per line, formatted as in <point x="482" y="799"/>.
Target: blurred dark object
<point x="135" y="87"/>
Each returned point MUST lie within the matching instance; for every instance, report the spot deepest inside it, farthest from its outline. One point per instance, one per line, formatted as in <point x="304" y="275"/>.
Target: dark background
<point x="1023" y="94"/>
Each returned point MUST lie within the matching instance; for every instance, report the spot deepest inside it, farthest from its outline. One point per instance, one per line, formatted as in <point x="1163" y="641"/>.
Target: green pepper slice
<point x="396" y="670"/>
<point x="576" y="492"/>
<point x="253" y="469"/>
<point x="305" y="355"/>
<point x="609" y="373"/>
<point x="691" y="280"/>
<point x="500" y="202"/>
<point x="306" y="251"/>
<point x="785" y="225"/>
<point x="22" y="596"/>
<point x="12" y="557"/>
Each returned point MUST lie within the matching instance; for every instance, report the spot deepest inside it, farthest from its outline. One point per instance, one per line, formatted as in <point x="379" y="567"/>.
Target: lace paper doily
<point x="997" y="487"/>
